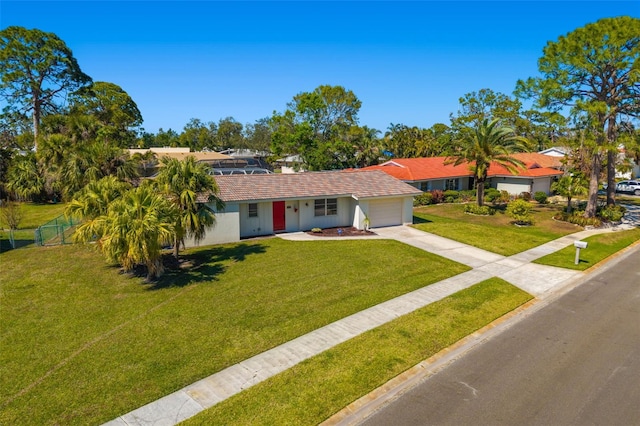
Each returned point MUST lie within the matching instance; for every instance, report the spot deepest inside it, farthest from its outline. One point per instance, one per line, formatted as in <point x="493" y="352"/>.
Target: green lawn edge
<point x="599" y="247"/>
<point x="83" y="344"/>
<point x="319" y="387"/>
<point x="495" y="233"/>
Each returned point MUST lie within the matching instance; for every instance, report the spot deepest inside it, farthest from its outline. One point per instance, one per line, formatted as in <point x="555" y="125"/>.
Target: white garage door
<point x="385" y="212"/>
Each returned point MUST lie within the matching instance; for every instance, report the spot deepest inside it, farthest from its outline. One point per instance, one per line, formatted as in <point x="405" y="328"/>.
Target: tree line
<point x="74" y="129"/>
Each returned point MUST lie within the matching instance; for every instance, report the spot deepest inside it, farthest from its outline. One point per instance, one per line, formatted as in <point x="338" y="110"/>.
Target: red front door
<point x="278" y="216"/>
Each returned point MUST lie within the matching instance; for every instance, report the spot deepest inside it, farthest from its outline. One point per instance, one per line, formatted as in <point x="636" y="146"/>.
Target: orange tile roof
<point x="539" y="159"/>
<point x="430" y="168"/>
<point x="279" y="186"/>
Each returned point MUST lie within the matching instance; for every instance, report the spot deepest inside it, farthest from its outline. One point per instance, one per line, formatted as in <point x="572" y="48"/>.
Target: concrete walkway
<point x="538" y="280"/>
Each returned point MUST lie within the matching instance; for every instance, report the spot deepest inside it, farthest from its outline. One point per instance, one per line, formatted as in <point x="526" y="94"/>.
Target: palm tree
<point x="486" y="144"/>
<point x="182" y="182"/>
<point x="24" y="178"/>
<point x="571" y="186"/>
<point x="133" y="229"/>
<point x="94" y="199"/>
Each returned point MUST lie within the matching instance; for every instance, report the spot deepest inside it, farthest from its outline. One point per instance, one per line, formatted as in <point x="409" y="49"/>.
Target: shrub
<point x="491" y="195"/>
<point x="525" y="196"/>
<point x="466" y="196"/>
<point x="577" y="218"/>
<point x="611" y="213"/>
<point x="481" y="211"/>
<point x="11" y="214"/>
<point x="540" y="197"/>
<point x="520" y="211"/>
<point x="423" y="199"/>
<point x="438" y="196"/>
<point x="451" y="196"/>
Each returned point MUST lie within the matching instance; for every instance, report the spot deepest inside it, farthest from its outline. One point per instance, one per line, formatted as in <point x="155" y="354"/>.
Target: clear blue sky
<point x="408" y="62"/>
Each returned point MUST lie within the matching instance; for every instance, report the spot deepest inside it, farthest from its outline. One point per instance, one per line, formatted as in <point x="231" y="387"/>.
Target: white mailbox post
<point x="579" y="245"/>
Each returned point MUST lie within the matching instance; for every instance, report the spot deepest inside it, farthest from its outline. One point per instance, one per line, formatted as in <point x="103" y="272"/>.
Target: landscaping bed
<point x="342" y="231"/>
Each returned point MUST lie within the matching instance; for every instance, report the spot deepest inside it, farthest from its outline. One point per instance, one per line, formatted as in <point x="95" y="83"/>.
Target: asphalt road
<point x="576" y="361"/>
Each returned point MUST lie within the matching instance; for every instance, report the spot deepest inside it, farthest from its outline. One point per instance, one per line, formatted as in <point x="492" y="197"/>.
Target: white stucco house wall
<point x="258" y="205"/>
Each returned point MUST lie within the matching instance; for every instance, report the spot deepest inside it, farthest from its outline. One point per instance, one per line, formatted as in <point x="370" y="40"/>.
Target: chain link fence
<point x="56" y="231"/>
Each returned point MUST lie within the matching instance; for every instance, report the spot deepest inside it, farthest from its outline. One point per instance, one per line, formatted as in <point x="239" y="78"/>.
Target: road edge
<point x="364" y="407"/>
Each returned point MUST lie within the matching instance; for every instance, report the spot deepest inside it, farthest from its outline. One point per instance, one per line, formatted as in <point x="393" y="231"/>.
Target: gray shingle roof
<point x="358" y="184"/>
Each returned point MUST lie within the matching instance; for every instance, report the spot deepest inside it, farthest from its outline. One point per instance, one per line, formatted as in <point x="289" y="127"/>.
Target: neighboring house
<point x="270" y="203"/>
<point x="290" y="164"/>
<point x="179" y="153"/>
<point x="182" y="153"/>
<point x="555" y="151"/>
<point x="432" y="173"/>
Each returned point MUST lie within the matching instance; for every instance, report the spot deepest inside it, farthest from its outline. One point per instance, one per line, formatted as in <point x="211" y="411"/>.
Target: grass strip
<point x="82" y="343"/>
<point x="599" y="248"/>
<point x="492" y="233"/>
<point x="315" y="389"/>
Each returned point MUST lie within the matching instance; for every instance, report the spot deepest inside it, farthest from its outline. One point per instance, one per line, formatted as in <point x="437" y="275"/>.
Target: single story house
<point x="432" y="173"/>
<point x="270" y="203"/>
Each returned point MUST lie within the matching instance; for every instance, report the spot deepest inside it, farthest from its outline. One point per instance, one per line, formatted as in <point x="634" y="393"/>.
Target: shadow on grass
<point x="418" y="220"/>
<point x="5" y="245"/>
<point x="202" y="265"/>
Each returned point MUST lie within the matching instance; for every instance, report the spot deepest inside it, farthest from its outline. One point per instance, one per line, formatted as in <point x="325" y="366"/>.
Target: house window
<point x="253" y="209"/>
<point x="425" y="186"/>
<point x="332" y="206"/>
<point x="452" y="184"/>
<point x="326" y="207"/>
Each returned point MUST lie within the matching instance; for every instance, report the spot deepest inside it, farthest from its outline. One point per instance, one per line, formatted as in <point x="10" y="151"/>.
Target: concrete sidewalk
<point x="538" y="280"/>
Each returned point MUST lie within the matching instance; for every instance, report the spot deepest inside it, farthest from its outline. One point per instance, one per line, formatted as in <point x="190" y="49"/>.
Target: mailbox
<point x="580" y="244"/>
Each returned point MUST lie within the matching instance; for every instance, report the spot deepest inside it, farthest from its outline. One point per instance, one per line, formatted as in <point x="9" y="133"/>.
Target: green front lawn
<point x="82" y="343"/>
<point x="599" y="247"/>
<point x="493" y="233"/>
<point x="315" y="389"/>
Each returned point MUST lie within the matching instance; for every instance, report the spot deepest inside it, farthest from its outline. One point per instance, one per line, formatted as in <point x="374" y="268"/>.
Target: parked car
<point x="628" y="187"/>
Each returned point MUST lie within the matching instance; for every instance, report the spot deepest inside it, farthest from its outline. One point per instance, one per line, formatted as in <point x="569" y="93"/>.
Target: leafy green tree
<point x="570" y="186"/>
<point x="258" y="135"/>
<point x="547" y="129"/>
<point x="114" y="110"/>
<point x="15" y="131"/>
<point x="488" y="143"/>
<point x="593" y="70"/>
<point x="485" y="104"/>
<point x="37" y="71"/>
<point x="167" y="138"/>
<point x="229" y="134"/>
<point x="198" y="135"/>
<point x="182" y="182"/>
<point x="316" y="126"/>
